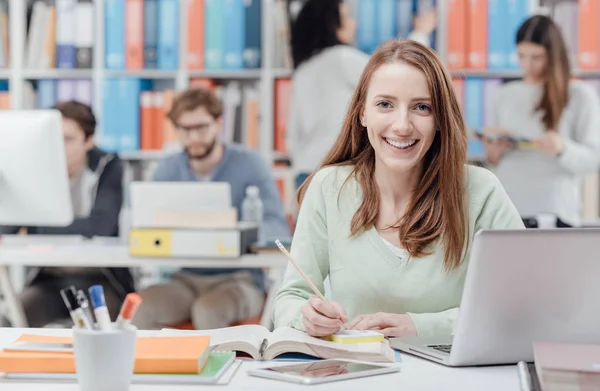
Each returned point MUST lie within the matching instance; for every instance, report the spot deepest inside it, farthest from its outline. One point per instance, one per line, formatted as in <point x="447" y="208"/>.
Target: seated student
<point x="391" y="213"/>
<point x="212" y="298"/>
<point x="96" y="193"/>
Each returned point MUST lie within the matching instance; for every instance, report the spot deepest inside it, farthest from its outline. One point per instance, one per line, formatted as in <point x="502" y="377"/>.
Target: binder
<point x="234" y="22"/>
<point x="253" y="36"/>
<point x="65" y="33"/>
<point x="150" y="33"/>
<point x="84" y="33"/>
<point x="477" y="34"/>
<point x="195" y="34"/>
<point x="214" y="34"/>
<point x="114" y="33"/>
<point x="168" y="35"/>
<point x="134" y="34"/>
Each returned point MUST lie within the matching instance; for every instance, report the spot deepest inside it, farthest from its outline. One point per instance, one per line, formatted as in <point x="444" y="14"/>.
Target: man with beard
<point x="211" y="298"/>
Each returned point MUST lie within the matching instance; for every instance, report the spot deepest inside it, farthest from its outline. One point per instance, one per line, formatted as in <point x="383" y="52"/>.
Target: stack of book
<point x="563" y="367"/>
<point x="159" y="360"/>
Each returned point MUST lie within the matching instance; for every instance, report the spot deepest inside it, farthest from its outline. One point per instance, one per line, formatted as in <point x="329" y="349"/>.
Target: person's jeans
<point x="210" y="302"/>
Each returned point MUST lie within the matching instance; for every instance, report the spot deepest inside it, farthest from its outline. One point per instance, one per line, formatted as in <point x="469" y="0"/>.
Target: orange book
<point x="477" y="34"/>
<point x="154" y="355"/>
<point x="158" y="116"/>
<point x="252" y="107"/>
<point x="589" y="34"/>
<point x="134" y="34"/>
<point x="195" y="49"/>
<point x="457" y="34"/>
<point x="50" y="44"/>
<point x="147" y="121"/>
<point x="283" y="95"/>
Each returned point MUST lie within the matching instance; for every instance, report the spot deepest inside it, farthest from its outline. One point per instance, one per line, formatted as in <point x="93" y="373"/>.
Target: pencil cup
<point x="104" y="360"/>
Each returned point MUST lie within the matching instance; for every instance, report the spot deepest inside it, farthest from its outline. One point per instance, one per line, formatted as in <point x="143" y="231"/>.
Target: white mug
<point x="104" y="360"/>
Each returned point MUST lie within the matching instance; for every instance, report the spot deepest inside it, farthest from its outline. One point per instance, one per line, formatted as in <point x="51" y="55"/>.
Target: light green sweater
<point x="365" y="275"/>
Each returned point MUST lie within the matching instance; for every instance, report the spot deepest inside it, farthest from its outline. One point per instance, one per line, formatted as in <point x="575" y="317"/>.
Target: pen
<point x="297" y="266"/>
<point x="100" y="310"/>
<point x="524" y="378"/>
<point x="263" y="347"/>
<point x="85" y="306"/>
<point x="69" y="296"/>
<point x="128" y="309"/>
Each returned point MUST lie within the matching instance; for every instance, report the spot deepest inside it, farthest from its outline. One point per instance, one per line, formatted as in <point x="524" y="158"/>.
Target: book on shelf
<point x="249" y="339"/>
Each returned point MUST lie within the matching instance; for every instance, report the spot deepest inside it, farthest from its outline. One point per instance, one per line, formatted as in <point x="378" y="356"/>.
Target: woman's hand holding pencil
<point x="322" y="318"/>
<point x="319" y="316"/>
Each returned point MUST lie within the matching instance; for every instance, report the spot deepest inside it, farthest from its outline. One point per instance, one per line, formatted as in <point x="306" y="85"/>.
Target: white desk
<point x="74" y="251"/>
<point x="416" y="375"/>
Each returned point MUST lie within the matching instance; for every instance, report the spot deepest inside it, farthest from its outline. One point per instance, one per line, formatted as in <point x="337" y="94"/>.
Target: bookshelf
<point x="265" y="77"/>
<point x="178" y="79"/>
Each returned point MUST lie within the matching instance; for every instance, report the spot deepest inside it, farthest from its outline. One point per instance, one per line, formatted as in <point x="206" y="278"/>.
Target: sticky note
<point x="355" y="336"/>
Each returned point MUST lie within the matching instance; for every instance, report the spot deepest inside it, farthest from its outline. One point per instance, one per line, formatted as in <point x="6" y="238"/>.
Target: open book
<point x="249" y="339"/>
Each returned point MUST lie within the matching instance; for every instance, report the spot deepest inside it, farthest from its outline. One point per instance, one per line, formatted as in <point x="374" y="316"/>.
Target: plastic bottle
<point x="252" y="207"/>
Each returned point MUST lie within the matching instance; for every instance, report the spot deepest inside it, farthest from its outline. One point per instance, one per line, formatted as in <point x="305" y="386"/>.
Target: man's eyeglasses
<point x="201" y="129"/>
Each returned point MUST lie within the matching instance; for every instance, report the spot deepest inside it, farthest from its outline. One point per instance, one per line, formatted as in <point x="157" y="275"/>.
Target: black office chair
<point x="531" y="222"/>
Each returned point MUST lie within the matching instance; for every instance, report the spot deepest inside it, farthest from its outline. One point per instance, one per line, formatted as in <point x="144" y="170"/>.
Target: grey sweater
<point x="535" y="181"/>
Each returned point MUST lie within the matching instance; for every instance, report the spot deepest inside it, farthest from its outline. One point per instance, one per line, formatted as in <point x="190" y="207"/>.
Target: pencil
<point x="293" y="261"/>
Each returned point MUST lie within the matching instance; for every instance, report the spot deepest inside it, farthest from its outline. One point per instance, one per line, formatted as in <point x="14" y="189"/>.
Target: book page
<point x="246" y="338"/>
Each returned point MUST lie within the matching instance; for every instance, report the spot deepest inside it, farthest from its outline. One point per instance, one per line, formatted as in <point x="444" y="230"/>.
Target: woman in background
<point x="561" y="119"/>
<point x="327" y="69"/>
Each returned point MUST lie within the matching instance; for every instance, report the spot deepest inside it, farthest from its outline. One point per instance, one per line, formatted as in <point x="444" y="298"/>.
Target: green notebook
<point x="217" y="364"/>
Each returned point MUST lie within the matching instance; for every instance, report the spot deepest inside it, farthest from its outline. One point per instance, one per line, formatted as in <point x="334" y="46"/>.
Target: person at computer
<point x="391" y="213"/>
<point x="96" y="179"/>
<point x="327" y="67"/>
<point x="212" y="298"/>
<point x="559" y="117"/>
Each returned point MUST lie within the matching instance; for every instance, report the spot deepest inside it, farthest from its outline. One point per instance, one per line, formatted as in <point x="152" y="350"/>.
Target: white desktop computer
<point x="34" y="181"/>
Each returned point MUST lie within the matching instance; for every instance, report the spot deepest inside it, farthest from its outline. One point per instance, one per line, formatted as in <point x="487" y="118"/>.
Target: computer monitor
<point x="34" y="180"/>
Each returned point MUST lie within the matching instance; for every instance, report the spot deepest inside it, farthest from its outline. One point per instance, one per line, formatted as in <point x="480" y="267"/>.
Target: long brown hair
<point x="437" y="208"/>
<point x="541" y="30"/>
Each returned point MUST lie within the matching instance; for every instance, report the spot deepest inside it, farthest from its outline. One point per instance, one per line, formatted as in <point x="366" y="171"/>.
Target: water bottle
<point x="252" y="207"/>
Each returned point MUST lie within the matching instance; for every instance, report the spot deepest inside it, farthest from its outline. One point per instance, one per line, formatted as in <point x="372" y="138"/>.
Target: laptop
<point x="521" y="286"/>
<point x="174" y="204"/>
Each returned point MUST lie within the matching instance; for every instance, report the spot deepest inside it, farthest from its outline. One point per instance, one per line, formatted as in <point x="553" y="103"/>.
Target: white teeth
<point x="401" y="144"/>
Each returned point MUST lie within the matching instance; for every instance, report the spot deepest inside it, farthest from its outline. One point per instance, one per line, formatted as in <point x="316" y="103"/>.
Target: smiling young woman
<point x="391" y="213"/>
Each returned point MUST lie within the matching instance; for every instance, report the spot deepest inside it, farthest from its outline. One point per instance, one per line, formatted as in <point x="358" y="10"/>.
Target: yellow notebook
<point x="355" y="336"/>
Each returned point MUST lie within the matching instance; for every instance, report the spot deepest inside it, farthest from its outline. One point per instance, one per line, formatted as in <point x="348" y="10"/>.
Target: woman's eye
<point x="384" y="105"/>
<point x="424" y="107"/>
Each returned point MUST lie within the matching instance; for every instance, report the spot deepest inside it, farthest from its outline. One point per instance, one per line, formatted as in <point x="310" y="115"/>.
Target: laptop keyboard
<point x="441" y="348"/>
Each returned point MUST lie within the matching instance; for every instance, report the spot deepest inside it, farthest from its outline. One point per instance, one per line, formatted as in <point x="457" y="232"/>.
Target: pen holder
<point x="104" y="360"/>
